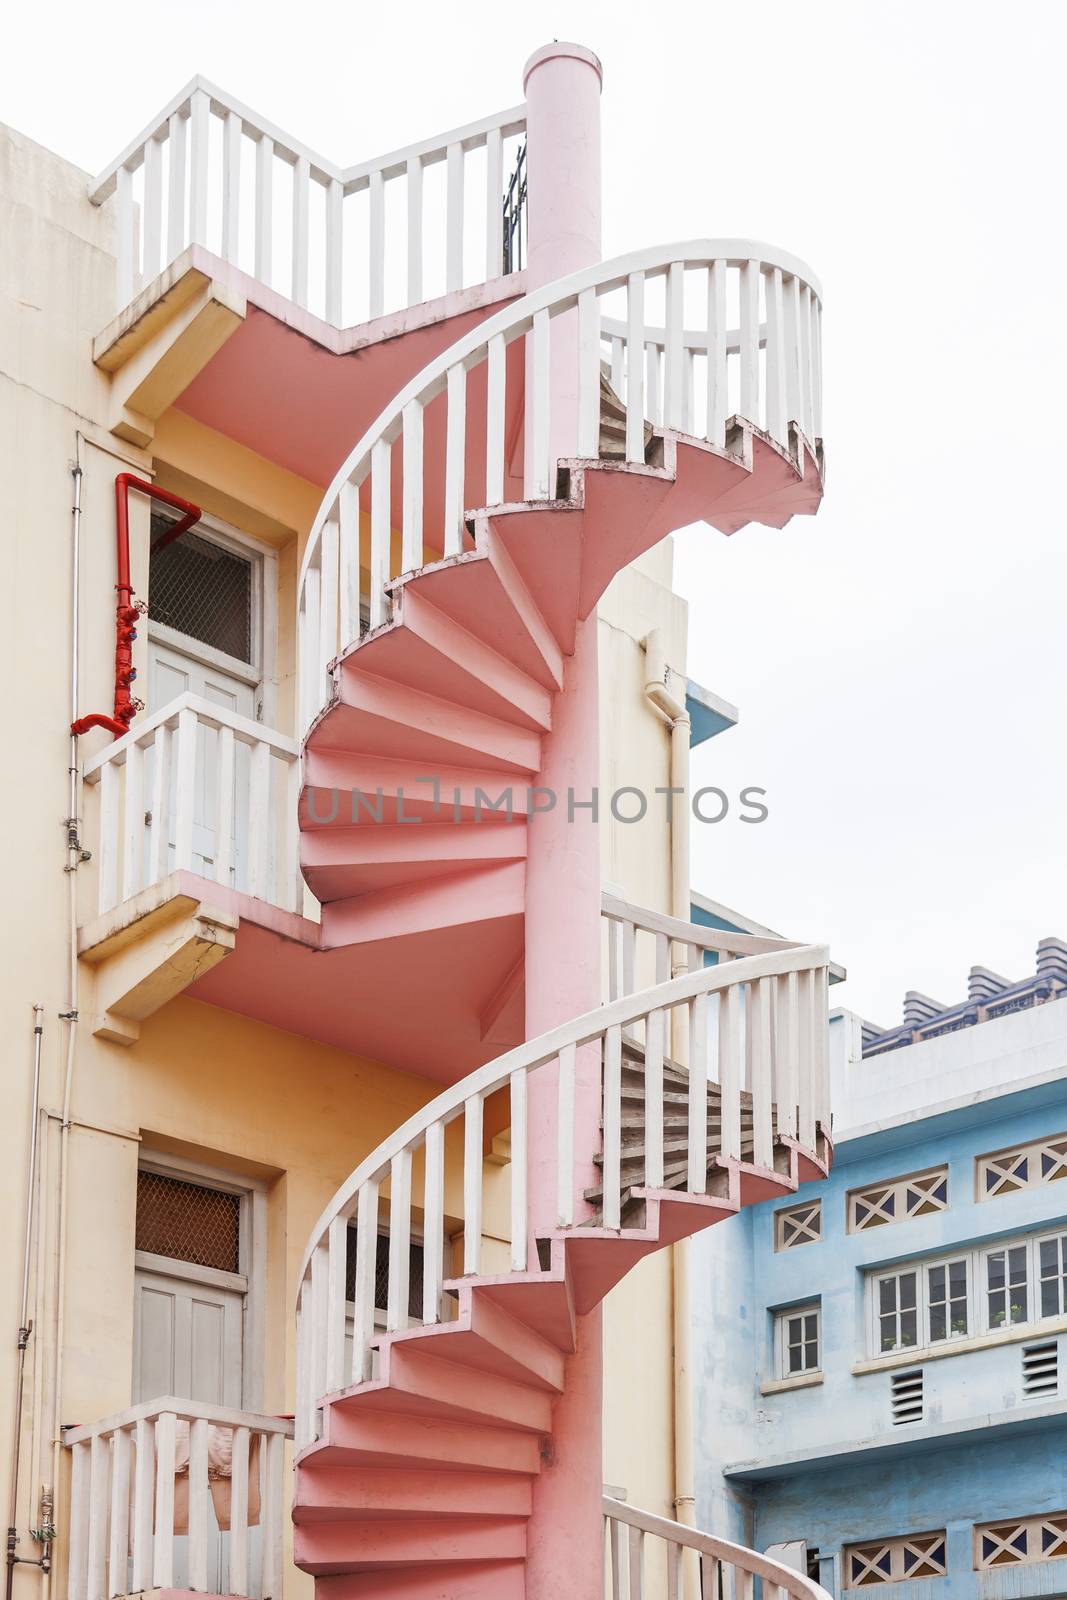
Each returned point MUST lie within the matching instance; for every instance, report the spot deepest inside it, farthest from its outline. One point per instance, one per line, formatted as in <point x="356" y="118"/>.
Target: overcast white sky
<point x="898" y="661"/>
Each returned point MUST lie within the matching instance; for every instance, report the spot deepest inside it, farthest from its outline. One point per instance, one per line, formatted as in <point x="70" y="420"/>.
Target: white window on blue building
<point x="899" y="1560"/>
<point x="1015" y="1284"/>
<point x="1025" y="1166"/>
<point x="798" y="1341"/>
<point x="898" y="1201"/>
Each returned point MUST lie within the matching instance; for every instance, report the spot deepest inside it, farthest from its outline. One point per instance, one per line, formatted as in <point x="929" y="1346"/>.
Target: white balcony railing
<point x="756" y="1026"/>
<point x="648" y="946"/>
<point x="209" y="171"/>
<point x="145" y="1507"/>
<point x="752" y="350"/>
<point x="197" y="787"/>
<point x="644" y="1555"/>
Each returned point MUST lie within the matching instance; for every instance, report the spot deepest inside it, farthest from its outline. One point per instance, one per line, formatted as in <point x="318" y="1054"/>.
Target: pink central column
<point x="565" y="1542"/>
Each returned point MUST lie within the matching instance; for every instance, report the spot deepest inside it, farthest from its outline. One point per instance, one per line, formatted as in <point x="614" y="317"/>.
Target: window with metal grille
<point x="898" y="1200"/>
<point x="381" y="1273"/>
<point x="1041" y="1368"/>
<point x="1027" y="1539"/>
<point x="795" y="1225"/>
<point x="188" y="1221"/>
<point x="915" y="1555"/>
<point x="1026" y="1166"/>
<point x="907" y="1397"/>
<point x="202" y="589"/>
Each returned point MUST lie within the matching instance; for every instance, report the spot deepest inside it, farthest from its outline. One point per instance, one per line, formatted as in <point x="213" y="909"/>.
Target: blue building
<point x="880" y="1364"/>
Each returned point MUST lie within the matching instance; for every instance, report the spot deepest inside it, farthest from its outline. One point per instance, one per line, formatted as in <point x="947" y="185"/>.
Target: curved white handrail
<point x="779" y="303"/>
<point x="768" y="1037"/>
<point x="676" y="1537"/>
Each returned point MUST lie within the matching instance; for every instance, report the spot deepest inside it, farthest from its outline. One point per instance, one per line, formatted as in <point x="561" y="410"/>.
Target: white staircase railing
<point x="423" y="465"/>
<point x="209" y="171"/>
<point x="197" y="787"/>
<point x="141" y="1501"/>
<point x="648" y="946"/>
<point x="757" y="1027"/>
<point x="644" y="1555"/>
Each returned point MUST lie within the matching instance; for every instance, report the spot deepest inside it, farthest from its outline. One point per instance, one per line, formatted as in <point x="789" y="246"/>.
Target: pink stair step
<point x="462" y="1580"/>
<point x="340" y="1547"/>
<point x="351" y="1494"/>
<point x="374" y="1437"/>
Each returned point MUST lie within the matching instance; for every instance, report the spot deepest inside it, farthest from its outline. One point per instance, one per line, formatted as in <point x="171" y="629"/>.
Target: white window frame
<point x="897" y="1188"/>
<point x="261" y="673"/>
<point x="782" y="1319"/>
<point x="979" y="1320"/>
<point x="1007" y="1182"/>
<point x="807" y="1219"/>
<point x="871" y="1550"/>
<point x="252" y="1255"/>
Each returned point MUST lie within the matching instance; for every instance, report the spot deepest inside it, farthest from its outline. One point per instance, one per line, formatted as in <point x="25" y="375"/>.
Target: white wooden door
<point x="173" y="672"/>
<point x="187" y="1340"/>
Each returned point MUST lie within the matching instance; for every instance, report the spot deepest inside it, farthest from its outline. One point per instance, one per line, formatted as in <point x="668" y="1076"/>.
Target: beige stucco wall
<point x="230" y="1092"/>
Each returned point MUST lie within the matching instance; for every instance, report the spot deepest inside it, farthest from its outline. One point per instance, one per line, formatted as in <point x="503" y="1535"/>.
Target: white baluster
<point x="629" y="955"/>
<point x="334" y="249"/>
<point x="749" y="393"/>
<point x="759" y="1050"/>
<point x="264" y="208"/>
<point x="674" y="399"/>
<point x="775" y="357"/>
<point x="199" y="136"/>
<point x="110" y="825"/>
<point x="158" y="843"/>
<point x="806" y="1059"/>
<point x="163" y="1555"/>
<point x="99" y="1496"/>
<point x="376" y="245"/>
<point x="78" y="1550"/>
<point x="565" y="1136"/>
<point x="663" y="958"/>
<point x="271" y="1586"/>
<point x="399" y="1240"/>
<point x="675" y="1570"/>
<point x="730" y="1069"/>
<point x="176" y="151"/>
<point x="615" y="1558"/>
<point x="822" y="1047"/>
<point x="231" y="186"/>
<point x="380" y="530"/>
<point x="654" y="1100"/>
<point x="328" y="545"/>
<point x="816" y="369"/>
<point x="472" y="1184"/>
<point x="636" y="1563"/>
<point x="291" y="891"/>
<point x="152" y="221"/>
<point x="119" y="1533"/>
<point x="433" y="1222"/>
<point x="308" y="624"/>
<point x="688" y="391"/>
<point x="336" y="1274"/>
<point x="718" y="397"/>
<point x="455" y="460"/>
<point x="653" y="376"/>
<point x="588" y="374"/>
<point x="238" y="1583"/>
<point x="301" y="202"/>
<point x="411" y="550"/>
<point x="414" y="208"/>
<point x="320" y="1285"/>
<point x="519" y="1141"/>
<point x="133" y="823"/>
<point x="612" y="1178"/>
<point x="198" y="1504"/>
<point x="126" y="256"/>
<point x="494" y="204"/>
<point x="224" y="798"/>
<point x="304" y="1424"/>
<point x="259" y="821"/>
<point x="785" y="1055"/>
<point x="792" y="351"/>
<point x="635" y="388"/>
<point x="805" y="362"/>
<point x="186" y="738"/>
<point x="454" y="222"/>
<point x="366" y="1269"/>
<point x="143" y="1505"/>
<point x="495" y="417"/>
<point x="348" y="562"/>
<point x="618" y="366"/>
<point x="697" y="1154"/>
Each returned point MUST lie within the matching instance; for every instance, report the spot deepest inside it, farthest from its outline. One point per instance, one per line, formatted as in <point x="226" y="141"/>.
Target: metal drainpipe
<point x="25" y="1322"/>
<point x="672" y="711"/>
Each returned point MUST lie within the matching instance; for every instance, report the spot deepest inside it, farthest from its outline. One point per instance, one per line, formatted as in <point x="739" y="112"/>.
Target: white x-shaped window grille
<point x="917" y="1555"/>
<point x="1011" y="1544"/>
<point x="903" y="1198"/>
<point x="1028" y="1166"/>
<point x="798" y="1225"/>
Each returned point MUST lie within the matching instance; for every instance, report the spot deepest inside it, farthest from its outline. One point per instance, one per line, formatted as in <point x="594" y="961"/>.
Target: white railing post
<point x="238" y="1583"/>
<point x="198" y="1504"/>
<point x="519" y="1177"/>
<point x="163" y="1557"/>
<point x="199" y="136"/>
<point x="176" y="145"/>
<point x="433" y="1223"/>
<point x="473" y="1156"/>
<point x="366" y="1266"/>
<point x="612" y="1171"/>
<point x="144" y="1504"/>
<point x="376" y="245"/>
<point x="119" y="1533"/>
<point x="78" y="1552"/>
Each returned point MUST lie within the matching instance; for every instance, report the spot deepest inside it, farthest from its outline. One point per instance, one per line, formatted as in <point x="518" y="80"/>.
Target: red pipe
<point x="126" y="612"/>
